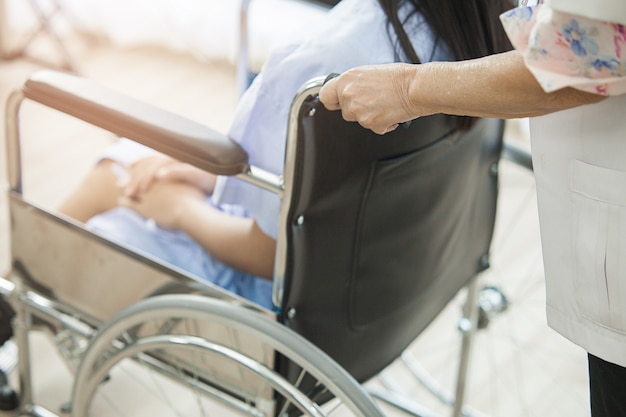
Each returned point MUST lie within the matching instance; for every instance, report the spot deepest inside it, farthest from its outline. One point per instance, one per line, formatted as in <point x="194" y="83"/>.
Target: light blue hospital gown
<point x="353" y="33"/>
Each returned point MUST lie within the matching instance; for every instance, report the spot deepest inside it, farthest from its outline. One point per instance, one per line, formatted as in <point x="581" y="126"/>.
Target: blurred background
<point x="205" y="29"/>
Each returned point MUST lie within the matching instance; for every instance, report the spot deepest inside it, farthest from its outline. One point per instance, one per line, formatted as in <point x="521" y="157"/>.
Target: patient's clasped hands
<point x="160" y="188"/>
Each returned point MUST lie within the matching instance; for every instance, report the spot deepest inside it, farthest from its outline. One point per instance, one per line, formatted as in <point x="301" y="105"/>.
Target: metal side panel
<point x="64" y="261"/>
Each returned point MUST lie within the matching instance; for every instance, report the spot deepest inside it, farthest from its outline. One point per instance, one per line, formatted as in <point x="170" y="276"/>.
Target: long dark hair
<point x="468" y="28"/>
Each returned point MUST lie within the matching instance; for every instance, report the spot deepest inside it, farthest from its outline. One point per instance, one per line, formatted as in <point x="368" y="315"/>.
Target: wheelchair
<point x="376" y="236"/>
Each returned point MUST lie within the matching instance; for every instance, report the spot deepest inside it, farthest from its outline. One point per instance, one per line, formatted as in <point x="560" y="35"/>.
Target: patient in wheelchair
<point x="222" y="229"/>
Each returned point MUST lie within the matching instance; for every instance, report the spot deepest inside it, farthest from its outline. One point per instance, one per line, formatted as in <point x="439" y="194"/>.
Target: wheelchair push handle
<point x="332" y="75"/>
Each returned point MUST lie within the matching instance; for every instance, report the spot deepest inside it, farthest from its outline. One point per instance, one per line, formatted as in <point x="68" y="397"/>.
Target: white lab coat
<point x="579" y="158"/>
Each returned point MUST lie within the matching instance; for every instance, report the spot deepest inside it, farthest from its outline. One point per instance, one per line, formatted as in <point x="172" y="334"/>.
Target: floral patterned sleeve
<point x="566" y="50"/>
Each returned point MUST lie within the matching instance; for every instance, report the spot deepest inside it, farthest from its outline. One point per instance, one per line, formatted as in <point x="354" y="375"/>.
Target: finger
<point x="379" y="130"/>
<point x="129" y="189"/>
<point x="128" y="202"/>
<point x="183" y="173"/>
<point x="390" y="128"/>
<point x="348" y="115"/>
<point x="178" y="172"/>
<point x="140" y="182"/>
<point x="329" y="96"/>
<point x="134" y="188"/>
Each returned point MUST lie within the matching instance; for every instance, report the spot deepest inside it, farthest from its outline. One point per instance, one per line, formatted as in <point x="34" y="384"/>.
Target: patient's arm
<point x="236" y="241"/>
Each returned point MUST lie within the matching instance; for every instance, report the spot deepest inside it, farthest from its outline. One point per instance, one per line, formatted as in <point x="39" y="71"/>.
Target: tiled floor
<point x="517" y="356"/>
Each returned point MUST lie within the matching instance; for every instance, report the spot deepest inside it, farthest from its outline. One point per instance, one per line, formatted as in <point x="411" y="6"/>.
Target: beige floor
<point x="517" y="356"/>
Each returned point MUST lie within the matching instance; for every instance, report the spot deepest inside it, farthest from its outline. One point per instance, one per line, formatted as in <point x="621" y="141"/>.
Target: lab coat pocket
<point x="598" y="197"/>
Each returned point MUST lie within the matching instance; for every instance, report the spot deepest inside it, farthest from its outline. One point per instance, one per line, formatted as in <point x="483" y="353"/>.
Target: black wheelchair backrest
<point x="383" y="231"/>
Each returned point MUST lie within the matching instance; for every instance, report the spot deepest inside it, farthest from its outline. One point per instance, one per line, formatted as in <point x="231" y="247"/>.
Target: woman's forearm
<point x="381" y="96"/>
<point x="236" y="241"/>
<point x="495" y="86"/>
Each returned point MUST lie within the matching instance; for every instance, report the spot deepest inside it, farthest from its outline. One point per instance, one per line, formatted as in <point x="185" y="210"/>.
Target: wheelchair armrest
<point x="163" y="131"/>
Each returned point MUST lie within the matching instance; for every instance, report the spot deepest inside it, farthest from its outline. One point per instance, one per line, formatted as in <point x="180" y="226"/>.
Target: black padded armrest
<point x="166" y="132"/>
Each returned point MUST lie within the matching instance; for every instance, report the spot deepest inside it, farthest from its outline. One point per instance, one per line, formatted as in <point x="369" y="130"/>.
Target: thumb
<point x="329" y="96"/>
<point x="183" y="173"/>
<point x="126" y="201"/>
<point x="176" y="172"/>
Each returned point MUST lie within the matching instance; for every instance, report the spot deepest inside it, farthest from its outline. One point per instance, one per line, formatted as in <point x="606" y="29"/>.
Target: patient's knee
<point x="98" y="192"/>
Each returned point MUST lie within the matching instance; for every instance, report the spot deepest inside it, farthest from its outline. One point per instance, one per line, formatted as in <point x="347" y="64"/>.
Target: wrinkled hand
<point x="164" y="201"/>
<point x="376" y="96"/>
<point x="146" y="171"/>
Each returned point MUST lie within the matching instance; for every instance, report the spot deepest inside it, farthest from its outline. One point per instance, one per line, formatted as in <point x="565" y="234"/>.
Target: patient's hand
<point x="165" y="202"/>
<point x="189" y="174"/>
<point x="144" y="173"/>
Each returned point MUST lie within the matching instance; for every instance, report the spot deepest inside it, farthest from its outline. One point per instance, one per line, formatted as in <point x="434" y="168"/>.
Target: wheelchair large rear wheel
<point x="196" y="356"/>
